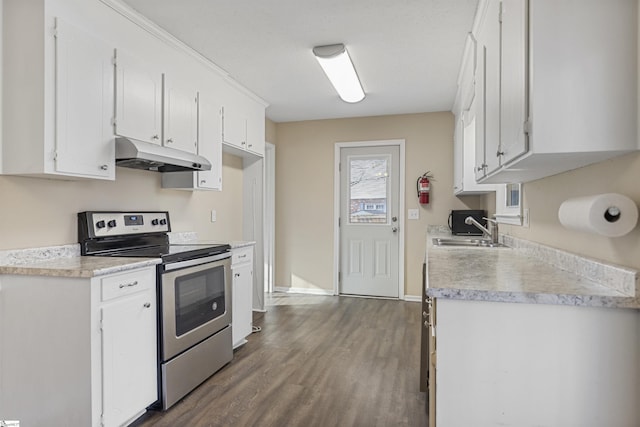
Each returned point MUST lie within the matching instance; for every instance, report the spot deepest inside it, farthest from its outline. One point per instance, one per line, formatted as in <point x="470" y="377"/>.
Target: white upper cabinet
<point x="234" y="126"/>
<point x="464" y="148"/>
<point x="513" y="92"/>
<point x="76" y="76"/>
<point x="180" y="116"/>
<point x="138" y="99"/>
<point x="210" y="142"/>
<point x="58" y="97"/>
<point x="488" y="50"/>
<point x="255" y="128"/>
<point x="243" y="124"/>
<point x="565" y="95"/>
<point x="209" y="146"/>
<point x="84" y="104"/>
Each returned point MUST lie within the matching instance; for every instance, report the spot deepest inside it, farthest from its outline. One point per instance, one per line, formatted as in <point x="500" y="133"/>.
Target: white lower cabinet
<point x="85" y="351"/>
<point x="242" y="294"/>
<point x="534" y="364"/>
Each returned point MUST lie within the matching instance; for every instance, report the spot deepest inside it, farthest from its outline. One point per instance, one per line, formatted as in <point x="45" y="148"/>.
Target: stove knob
<point x="112" y="223"/>
<point x="100" y="224"/>
<point x="163" y="222"/>
<point x="154" y="221"/>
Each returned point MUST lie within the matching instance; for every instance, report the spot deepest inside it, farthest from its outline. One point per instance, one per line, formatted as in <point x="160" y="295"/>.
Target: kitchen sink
<point x="477" y="243"/>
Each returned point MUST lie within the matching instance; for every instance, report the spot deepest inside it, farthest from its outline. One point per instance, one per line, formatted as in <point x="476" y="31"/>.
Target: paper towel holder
<point x="612" y="214"/>
<point x="609" y="214"/>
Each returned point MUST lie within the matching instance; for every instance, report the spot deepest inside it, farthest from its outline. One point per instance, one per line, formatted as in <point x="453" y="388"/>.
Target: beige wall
<point x="543" y="198"/>
<point x="40" y="212"/>
<point x="304" y="190"/>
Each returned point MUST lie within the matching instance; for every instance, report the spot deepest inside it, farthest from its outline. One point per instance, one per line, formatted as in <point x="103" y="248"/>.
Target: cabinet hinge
<point x="339" y="167"/>
<point x="54" y="32"/>
<point x="102" y="419"/>
<point x="113" y="121"/>
<point x="339" y="222"/>
<point x="527" y="127"/>
<point x="339" y="276"/>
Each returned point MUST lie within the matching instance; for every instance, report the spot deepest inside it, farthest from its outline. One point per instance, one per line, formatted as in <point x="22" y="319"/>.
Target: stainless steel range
<point x="194" y="294"/>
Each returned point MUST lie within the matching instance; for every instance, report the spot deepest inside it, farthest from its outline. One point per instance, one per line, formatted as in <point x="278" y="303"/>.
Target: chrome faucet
<point x="491" y="232"/>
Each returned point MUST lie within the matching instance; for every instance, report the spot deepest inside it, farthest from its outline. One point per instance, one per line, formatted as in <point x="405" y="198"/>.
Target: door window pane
<point x="368" y="189"/>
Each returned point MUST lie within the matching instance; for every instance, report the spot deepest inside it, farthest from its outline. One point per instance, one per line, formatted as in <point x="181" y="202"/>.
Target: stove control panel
<point x="103" y="224"/>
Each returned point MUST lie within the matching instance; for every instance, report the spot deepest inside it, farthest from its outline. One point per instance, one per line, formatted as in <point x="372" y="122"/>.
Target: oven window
<point x="199" y="298"/>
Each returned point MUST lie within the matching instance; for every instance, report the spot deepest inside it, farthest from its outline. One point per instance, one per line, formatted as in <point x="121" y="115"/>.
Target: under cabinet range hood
<point x="132" y="153"/>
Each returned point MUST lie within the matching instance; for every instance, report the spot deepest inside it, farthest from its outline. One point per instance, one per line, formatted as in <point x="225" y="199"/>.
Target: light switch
<point x="413" y="214"/>
<point x="214" y="215"/>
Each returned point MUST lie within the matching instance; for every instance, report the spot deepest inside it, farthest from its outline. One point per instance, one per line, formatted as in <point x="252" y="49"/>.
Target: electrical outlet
<point x="214" y="215"/>
<point x="413" y="214"/>
<point x="525" y="218"/>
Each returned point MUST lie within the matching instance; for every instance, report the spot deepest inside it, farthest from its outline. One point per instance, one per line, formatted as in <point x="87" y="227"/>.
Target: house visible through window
<point x="368" y="188"/>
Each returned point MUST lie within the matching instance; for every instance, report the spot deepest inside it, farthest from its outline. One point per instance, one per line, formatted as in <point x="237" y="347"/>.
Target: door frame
<point x="269" y="215"/>
<point x="336" y="207"/>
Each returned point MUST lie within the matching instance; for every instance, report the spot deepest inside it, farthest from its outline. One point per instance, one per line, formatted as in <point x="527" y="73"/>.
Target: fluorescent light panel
<point x="336" y="63"/>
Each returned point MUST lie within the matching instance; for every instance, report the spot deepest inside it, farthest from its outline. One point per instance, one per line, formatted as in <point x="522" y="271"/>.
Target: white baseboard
<point x="413" y="298"/>
<point x="307" y="291"/>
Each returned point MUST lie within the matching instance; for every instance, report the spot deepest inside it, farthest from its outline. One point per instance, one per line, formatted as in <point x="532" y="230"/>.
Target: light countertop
<point x="525" y="272"/>
<point x="65" y="261"/>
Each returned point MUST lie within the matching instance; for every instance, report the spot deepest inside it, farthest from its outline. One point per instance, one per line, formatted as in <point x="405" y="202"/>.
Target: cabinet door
<point x="513" y="92"/>
<point x="209" y="141"/>
<point x="138" y="99"/>
<point x="180" y="117"/>
<point x="255" y="130"/>
<point x="242" y="302"/>
<point x="491" y="42"/>
<point x="84" y="104"/>
<point x="480" y="156"/>
<point x="458" y="154"/>
<point x="234" y="126"/>
<point x="129" y="365"/>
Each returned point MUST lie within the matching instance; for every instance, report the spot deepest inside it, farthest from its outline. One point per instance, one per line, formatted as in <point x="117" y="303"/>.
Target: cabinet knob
<point x="104" y="167"/>
<point x="499" y="153"/>
<point x="203" y="181"/>
<point x="156" y="137"/>
<point x="170" y="140"/>
<point x="147" y="304"/>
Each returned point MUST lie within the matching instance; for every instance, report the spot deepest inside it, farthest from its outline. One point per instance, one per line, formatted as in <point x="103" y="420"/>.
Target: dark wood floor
<point x="319" y="361"/>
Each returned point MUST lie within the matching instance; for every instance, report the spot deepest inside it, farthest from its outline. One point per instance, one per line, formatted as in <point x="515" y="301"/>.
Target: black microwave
<point x="458" y="226"/>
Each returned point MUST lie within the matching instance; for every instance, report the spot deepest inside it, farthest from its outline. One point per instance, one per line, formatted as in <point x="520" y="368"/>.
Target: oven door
<point x="195" y="300"/>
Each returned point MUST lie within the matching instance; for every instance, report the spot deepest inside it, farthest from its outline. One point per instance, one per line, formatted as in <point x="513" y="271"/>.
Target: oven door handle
<point x="197" y="261"/>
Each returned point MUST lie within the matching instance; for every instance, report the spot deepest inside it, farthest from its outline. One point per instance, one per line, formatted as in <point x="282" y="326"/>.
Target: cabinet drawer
<point x="241" y="255"/>
<point x="118" y="285"/>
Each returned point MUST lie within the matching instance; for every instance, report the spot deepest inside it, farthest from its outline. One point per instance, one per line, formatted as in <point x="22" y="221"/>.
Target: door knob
<point x="394" y="218"/>
<point x="394" y="229"/>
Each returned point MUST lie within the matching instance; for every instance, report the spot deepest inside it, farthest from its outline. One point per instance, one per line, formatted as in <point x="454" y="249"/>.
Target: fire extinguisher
<point x="424" y="186"/>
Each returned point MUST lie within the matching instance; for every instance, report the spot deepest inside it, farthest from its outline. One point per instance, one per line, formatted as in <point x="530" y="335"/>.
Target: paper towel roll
<point x="609" y="214"/>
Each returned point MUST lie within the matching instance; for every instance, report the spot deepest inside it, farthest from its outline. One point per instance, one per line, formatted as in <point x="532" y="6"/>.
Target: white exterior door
<point x="369" y="226"/>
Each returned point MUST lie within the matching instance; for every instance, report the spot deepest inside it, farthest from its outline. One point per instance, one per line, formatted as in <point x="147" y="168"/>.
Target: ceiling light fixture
<point x="336" y="63"/>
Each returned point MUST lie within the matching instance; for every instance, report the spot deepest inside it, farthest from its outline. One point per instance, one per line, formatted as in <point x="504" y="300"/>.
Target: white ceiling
<point x="407" y="52"/>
